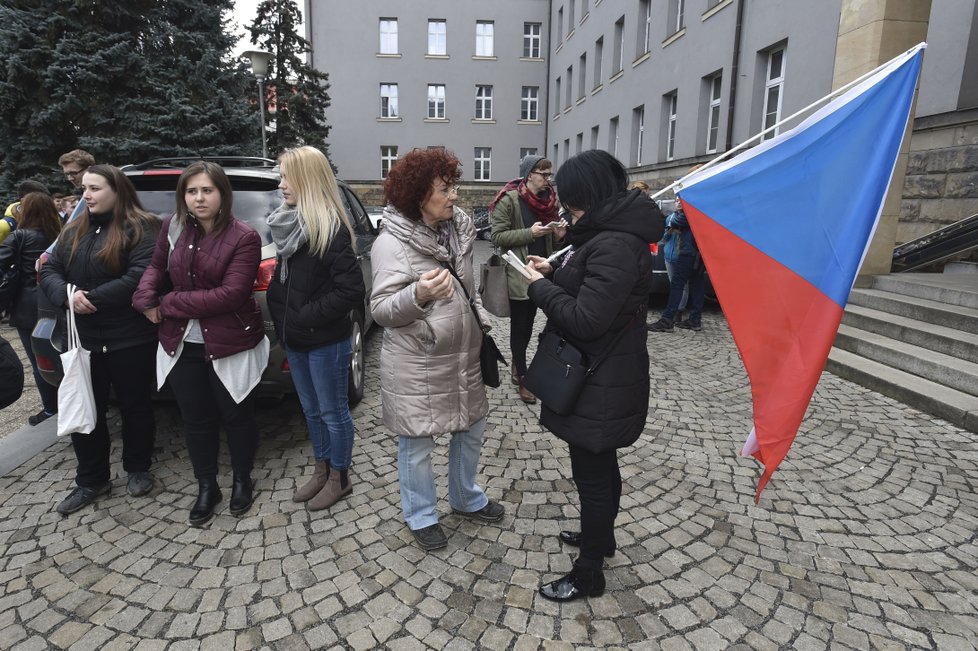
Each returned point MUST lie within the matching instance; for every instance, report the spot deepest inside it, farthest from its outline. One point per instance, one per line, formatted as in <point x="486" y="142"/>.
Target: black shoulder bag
<point x="489" y="355"/>
<point x="559" y="369"/>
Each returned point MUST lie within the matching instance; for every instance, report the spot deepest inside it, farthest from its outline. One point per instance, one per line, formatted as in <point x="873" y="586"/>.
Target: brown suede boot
<point x="526" y="395"/>
<point x="308" y="490"/>
<point x="337" y="486"/>
<point x="516" y="376"/>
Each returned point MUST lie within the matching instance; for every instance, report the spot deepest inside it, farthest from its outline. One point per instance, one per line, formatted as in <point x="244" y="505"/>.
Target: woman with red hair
<point x="431" y="382"/>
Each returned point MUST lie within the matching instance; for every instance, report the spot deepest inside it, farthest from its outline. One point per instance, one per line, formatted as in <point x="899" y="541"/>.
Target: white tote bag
<point x="76" y="402"/>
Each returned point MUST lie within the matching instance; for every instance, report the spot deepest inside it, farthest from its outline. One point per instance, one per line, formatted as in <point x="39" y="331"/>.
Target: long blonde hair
<point x="317" y="196"/>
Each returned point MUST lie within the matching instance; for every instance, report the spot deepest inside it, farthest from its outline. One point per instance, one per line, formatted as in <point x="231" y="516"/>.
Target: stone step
<point x="953" y="289"/>
<point x="919" y="309"/>
<point x="939" y="338"/>
<point x="953" y="372"/>
<point x="954" y="406"/>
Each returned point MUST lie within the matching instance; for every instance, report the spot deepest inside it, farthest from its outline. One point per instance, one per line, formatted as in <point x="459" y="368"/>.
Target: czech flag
<point x="783" y="229"/>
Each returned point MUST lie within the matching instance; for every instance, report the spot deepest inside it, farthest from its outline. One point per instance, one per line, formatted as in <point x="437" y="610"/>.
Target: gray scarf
<point x="289" y="234"/>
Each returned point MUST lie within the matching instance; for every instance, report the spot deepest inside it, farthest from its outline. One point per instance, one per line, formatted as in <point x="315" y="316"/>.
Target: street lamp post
<point x="259" y="67"/>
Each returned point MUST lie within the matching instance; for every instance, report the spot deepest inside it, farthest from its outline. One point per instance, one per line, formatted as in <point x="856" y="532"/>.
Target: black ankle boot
<point x="208" y="497"/>
<point x="581" y="582"/>
<point x="242" y="493"/>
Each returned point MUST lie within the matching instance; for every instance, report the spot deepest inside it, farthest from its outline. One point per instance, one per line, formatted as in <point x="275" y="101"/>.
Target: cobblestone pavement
<point x="865" y="538"/>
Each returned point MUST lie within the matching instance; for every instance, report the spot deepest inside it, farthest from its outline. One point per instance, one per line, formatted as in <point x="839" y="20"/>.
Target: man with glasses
<point x="73" y="164"/>
<point x="525" y="220"/>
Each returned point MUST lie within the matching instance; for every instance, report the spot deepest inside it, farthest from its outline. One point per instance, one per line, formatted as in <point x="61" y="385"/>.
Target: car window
<point x="254" y="199"/>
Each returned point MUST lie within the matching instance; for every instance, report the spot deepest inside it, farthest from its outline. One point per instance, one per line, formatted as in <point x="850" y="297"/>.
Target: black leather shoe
<point x="581" y="582"/>
<point x="431" y="537"/>
<point x="573" y="538"/>
<point x="242" y="494"/>
<point x="81" y="497"/>
<point x="139" y="483"/>
<point x="208" y="497"/>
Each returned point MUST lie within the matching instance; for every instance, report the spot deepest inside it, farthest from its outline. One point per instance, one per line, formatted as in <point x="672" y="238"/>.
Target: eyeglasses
<point x="72" y="173"/>
<point x="449" y="190"/>
<point x="546" y="175"/>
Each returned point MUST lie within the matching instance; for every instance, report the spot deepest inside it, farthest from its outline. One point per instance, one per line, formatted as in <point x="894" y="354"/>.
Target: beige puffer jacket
<point x="429" y="362"/>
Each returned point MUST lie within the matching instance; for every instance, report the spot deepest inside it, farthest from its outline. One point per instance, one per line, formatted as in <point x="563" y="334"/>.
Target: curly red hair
<point x="409" y="181"/>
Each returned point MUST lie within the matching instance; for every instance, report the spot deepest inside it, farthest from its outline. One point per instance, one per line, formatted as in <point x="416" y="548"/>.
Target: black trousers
<point x="598" y="481"/>
<point x="131" y="372"/>
<point x="521" y="315"/>
<point x="205" y="405"/>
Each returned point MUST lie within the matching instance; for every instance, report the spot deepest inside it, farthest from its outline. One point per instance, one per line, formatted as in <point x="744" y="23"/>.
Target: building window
<point x="677" y="14"/>
<point x="613" y="136"/>
<point x="388" y="100"/>
<point x="594" y="137"/>
<point x="388" y="154"/>
<point x="645" y="29"/>
<point x="483" y="102"/>
<point x="527" y="151"/>
<point x="581" y="89"/>
<point x="483" y="163"/>
<point x="619" y="62"/>
<point x="639" y="117"/>
<point x="529" y="103"/>
<point x="568" y="100"/>
<point x="598" y="52"/>
<point x="437" y="38"/>
<point x="557" y="96"/>
<point x="713" y="116"/>
<point x="671" y="102"/>
<point x="436" y="101"/>
<point x="560" y="25"/>
<point x="388" y="35"/>
<point x="580" y="143"/>
<point x="584" y="9"/>
<point x="554" y="157"/>
<point x="531" y="40"/>
<point x="566" y="149"/>
<point x="483" y="38"/>
<point x="773" y="87"/>
<point x="570" y="17"/>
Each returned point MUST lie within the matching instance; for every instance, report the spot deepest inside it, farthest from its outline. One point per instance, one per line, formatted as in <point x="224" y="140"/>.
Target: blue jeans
<point x="670" y="270"/>
<point x="321" y="378"/>
<point x="688" y="268"/>
<point x="418" y="480"/>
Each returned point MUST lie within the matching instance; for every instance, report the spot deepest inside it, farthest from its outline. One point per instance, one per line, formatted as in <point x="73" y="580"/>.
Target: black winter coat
<point x="115" y="324"/>
<point x="25" y="245"/>
<point x="312" y="307"/>
<point x="601" y="288"/>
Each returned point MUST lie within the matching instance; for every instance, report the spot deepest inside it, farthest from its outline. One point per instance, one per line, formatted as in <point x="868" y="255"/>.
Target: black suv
<point x="254" y="182"/>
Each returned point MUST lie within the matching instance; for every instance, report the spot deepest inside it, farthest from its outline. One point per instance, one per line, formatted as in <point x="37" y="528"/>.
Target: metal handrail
<point x="946" y="242"/>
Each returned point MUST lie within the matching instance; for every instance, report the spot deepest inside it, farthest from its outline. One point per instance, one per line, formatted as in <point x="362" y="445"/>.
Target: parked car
<point x="256" y="194"/>
<point x="376" y="216"/>
<point x="482" y="221"/>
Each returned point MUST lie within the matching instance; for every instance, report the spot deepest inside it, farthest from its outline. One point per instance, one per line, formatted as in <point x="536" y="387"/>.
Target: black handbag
<point x="489" y="355"/>
<point x="559" y="370"/>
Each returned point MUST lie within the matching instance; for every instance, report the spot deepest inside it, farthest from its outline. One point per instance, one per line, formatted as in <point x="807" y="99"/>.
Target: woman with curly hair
<point x="104" y="252"/>
<point x="431" y="383"/>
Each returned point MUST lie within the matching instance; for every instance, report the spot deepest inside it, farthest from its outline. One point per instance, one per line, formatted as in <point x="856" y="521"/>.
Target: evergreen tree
<point x="299" y="91"/>
<point x="126" y="81"/>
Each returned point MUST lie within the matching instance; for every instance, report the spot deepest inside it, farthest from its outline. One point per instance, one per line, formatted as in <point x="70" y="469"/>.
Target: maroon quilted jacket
<point x="208" y="277"/>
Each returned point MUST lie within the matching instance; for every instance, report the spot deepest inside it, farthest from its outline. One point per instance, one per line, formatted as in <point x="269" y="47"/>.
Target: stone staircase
<point x="914" y="337"/>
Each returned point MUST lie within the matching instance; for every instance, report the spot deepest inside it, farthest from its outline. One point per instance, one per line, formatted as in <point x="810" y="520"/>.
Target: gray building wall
<point x="346" y="42"/>
<point x="682" y="62"/>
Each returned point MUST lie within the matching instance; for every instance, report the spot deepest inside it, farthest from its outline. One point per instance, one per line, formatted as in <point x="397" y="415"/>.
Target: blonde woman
<point x="315" y="285"/>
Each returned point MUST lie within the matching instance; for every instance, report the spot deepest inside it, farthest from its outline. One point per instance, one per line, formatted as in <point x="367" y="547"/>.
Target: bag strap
<point x="475" y="312"/>
<point x="74" y="341"/>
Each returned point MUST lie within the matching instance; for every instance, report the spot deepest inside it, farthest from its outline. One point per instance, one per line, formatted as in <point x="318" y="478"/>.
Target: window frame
<point x="389" y="101"/>
<point x="483" y="101"/>
<point x="529" y="38"/>
<point x="771" y="83"/>
<point x="482" y="39"/>
<point x="434" y="36"/>
<point x="530" y="104"/>
<point x="482" y="165"/>
<point x="714" y="98"/>
<point x="388" y="156"/>
<point x="434" y="103"/>
<point x="389" y="35"/>
<point x="671" y="120"/>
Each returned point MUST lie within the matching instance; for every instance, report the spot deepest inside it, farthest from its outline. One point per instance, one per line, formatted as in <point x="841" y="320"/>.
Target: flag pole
<point x="751" y="141"/>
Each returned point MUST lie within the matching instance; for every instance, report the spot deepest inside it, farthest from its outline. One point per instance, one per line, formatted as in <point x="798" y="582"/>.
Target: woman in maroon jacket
<point x="212" y="340"/>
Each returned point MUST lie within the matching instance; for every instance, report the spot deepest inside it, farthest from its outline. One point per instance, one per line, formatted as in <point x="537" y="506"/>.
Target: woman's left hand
<point x="81" y="303"/>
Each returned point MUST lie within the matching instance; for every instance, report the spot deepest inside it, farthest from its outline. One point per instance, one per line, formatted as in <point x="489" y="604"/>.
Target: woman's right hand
<point x="81" y="303"/>
<point x="539" y="264"/>
<point x="433" y="285"/>
<point x="539" y="230"/>
<point x="153" y="314"/>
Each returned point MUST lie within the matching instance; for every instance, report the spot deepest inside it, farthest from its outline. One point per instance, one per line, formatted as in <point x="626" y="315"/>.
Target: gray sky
<point x="244" y="14"/>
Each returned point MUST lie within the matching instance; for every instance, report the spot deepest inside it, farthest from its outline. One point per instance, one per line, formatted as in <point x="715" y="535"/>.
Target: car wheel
<point x="357" y="370"/>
